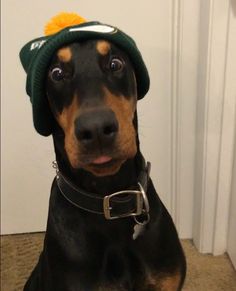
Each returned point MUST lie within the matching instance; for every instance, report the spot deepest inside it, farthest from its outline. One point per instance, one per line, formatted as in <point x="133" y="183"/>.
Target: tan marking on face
<point x="64" y="54"/>
<point x="66" y="120"/>
<point x="111" y="170"/>
<point x="124" y="110"/>
<point x="103" y="47"/>
<point x="126" y="141"/>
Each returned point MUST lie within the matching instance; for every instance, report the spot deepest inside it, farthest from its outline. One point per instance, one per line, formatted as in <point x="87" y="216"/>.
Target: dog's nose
<point x="97" y="127"/>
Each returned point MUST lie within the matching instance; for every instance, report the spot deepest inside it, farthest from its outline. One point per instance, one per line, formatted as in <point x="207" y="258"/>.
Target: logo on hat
<point x="37" y="44"/>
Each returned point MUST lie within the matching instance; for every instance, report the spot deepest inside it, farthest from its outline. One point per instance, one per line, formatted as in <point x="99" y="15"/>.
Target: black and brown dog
<point x="92" y="93"/>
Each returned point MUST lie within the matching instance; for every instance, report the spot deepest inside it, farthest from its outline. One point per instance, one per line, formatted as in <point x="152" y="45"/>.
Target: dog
<point x="107" y="228"/>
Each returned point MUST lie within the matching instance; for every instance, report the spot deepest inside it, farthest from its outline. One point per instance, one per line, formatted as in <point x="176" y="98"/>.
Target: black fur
<point x="84" y="251"/>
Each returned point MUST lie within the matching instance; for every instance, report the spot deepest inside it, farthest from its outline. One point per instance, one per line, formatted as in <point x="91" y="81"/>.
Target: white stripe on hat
<point x="96" y="28"/>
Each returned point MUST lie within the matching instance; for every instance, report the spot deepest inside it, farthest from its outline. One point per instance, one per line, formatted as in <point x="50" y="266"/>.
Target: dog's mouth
<point x="102" y="160"/>
<point x="103" y="165"/>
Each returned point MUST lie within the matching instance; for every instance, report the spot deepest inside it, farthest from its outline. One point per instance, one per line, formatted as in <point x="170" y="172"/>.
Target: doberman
<point x="107" y="228"/>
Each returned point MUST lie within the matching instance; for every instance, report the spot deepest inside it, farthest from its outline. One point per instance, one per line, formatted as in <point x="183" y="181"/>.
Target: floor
<point x="19" y="254"/>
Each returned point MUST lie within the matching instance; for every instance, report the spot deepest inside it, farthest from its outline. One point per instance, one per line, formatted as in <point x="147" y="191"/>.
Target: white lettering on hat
<point x="96" y="28"/>
<point x="37" y="44"/>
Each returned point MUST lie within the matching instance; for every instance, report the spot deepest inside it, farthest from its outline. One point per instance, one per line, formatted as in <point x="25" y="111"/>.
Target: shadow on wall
<point x="233" y="4"/>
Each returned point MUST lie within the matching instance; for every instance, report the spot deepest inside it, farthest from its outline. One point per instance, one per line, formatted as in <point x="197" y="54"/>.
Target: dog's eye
<point x="57" y="74"/>
<point x="116" y="65"/>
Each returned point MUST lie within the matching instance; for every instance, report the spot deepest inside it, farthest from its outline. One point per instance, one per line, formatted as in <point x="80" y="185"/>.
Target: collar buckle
<point x="107" y="204"/>
<point x="141" y="201"/>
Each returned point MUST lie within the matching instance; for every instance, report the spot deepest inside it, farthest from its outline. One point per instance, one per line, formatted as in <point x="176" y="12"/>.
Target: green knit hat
<point x="35" y="57"/>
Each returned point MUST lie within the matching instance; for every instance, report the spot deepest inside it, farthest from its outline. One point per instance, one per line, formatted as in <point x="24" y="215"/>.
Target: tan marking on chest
<point x="103" y="47"/>
<point x="163" y="282"/>
<point x="160" y="282"/>
<point x="64" y="54"/>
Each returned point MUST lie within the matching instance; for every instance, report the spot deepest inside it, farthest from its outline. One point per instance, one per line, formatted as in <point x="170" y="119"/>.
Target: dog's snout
<point x="98" y="127"/>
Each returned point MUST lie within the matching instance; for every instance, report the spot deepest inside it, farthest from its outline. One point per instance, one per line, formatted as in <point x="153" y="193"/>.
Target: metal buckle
<point x="108" y="209"/>
<point x="55" y="166"/>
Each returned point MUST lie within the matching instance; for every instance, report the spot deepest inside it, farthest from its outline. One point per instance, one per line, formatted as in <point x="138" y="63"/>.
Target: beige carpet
<point x="19" y="254"/>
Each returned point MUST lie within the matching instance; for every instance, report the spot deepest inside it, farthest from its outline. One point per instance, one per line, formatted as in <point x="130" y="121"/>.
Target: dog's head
<point x="88" y="77"/>
<point x="92" y="92"/>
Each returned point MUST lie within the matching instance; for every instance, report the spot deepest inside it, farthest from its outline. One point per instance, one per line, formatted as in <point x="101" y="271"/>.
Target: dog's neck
<point x="125" y="178"/>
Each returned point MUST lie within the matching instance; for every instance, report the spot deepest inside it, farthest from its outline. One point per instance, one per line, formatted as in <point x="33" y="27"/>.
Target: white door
<point x="232" y="218"/>
<point x="231" y="246"/>
<point x="167" y="35"/>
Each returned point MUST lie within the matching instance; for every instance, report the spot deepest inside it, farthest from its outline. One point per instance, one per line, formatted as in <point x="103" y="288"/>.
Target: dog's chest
<point x="93" y="251"/>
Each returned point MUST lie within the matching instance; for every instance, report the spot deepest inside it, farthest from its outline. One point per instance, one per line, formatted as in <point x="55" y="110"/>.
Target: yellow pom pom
<point x="61" y="21"/>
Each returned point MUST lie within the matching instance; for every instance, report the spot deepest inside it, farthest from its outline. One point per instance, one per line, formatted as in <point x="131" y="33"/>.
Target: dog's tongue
<point x="102" y="160"/>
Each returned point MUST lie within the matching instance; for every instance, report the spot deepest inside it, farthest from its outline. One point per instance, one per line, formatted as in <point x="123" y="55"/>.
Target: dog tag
<point x="138" y="230"/>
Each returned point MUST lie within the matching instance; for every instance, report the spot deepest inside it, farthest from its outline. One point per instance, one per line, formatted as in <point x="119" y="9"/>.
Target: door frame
<point x="215" y="126"/>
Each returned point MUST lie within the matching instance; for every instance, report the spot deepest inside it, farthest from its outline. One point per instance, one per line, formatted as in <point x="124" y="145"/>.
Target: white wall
<point x="26" y="156"/>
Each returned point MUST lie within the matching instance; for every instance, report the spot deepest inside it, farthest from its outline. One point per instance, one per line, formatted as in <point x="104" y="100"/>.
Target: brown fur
<point x="103" y="47"/>
<point x="124" y="110"/>
<point x="162" y="282"/>
<point x="158" y="282"/>
<point x="66" y="120"/>
<point x="64" y="54"/>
